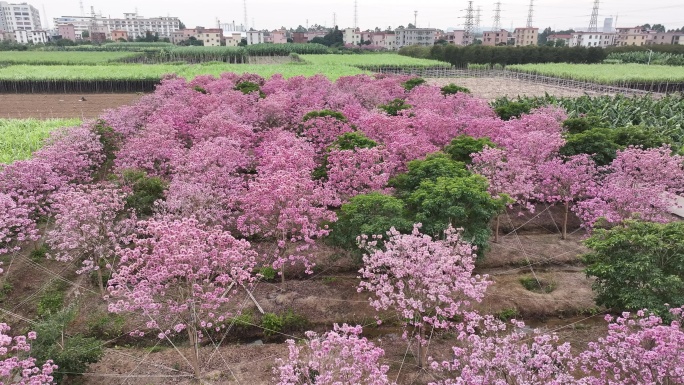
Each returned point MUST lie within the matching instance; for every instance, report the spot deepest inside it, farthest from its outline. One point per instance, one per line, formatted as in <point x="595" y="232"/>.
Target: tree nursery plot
<point x="56" y="57"/>
<point x="345" y="223"/>
<point x="606" y="73"/>
<point x="19" y="138"/>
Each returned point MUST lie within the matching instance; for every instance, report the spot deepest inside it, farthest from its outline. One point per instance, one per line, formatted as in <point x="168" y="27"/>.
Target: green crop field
<point x="606" y="73"/>
<point x="19" y="138"/>
<point x="59" y="57"/>
<point x="156" y="71"/>
<point x="373" y="60"/>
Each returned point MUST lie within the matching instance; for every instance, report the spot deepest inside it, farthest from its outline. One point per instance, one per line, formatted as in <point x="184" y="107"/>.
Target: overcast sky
<point x="270" y="14"/>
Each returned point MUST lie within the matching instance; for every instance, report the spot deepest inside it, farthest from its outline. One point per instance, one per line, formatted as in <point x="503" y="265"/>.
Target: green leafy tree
<point x="392" y="108"/>
<point x="463" y="146"/>
<point x="144" y="191"/>
<point x="434" y="166"/>
<point x="597" y="142"/>
<point x="513" y="109"/>
<point x="369" y="214"/>
<point x="638" y="265"/>
<point x="457" y="201"/>
<point x="451" y="89"/>
<point x="412" y="83"/>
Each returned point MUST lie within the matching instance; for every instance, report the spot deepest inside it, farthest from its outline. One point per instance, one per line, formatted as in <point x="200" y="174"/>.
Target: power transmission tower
<point x="468" y="34"/>
<point x="497" y="16"/>
<point x="530" y="13"/>
<point x="356" y="14"/>
<point x="593" y="24"/>
<point x="415" y="19"/>
<point x="478" y="19"/>
<point x="244" y="5"/>
<point x="82" y="9"/>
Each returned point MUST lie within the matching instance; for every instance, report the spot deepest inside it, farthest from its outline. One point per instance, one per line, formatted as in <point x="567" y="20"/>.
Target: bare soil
<point x="46" y="106"/>
<point x="493" y="88"/>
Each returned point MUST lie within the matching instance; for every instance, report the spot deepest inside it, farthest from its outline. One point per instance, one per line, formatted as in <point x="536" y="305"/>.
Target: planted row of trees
<point x="171" y="195"/>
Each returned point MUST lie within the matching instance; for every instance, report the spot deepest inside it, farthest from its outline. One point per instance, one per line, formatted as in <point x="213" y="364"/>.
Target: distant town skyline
<point x="271" y="14"/>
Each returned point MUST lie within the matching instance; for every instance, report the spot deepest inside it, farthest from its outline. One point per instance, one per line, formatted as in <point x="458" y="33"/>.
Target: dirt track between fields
<point x="45" y="106"/>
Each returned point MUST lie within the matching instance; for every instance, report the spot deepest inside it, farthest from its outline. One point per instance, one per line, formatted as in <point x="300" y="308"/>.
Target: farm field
<point x="59" y="57"/>
<point x="188" y="233"/>
<point x="606" y="73"/>
<point x="19" y="138"/>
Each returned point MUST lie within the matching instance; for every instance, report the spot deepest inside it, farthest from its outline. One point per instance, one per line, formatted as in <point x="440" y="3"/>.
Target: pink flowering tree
<point x="639" y="349"/>
<point x="493" y="352"/>
<point x="566" y="181"/>
<point x="16" y="366"/>
<point x="427" y="282"/>
<point x="289" y="208"/>
<point x="358" y="171"/>
<point x="15" y="225"/>
<point x="181" y="276"/>
<point x="89" y="225"/>
<point x="638" y="183"/>
<point x="340" y="356"/>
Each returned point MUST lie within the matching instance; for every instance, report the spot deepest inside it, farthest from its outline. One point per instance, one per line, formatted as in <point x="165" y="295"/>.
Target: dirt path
<point x="45" y="106"/>
<point x="492" y="88"/>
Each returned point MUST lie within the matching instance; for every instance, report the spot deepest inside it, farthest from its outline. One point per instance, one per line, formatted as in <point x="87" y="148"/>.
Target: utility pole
<point x="497" y="16"/>
<point x="415" y="19"/>
<point x="593" y="23"/>
<point x="530" y="13"/>
<point x="468" y="34"/>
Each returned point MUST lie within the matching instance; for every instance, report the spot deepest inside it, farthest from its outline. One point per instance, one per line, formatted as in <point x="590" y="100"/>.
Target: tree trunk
<point x="496" y="229"/>
<point x="100" y="282"/>
<point x="282" y="274"/>
<point x="192" y="336"/>
<point x="565" y="221"/>
<point x="421" y="348"/>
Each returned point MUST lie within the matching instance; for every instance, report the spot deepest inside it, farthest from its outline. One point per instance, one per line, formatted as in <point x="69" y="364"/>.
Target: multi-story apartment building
<point x="494" y="38"/>
<point x="592" y="39"/>
<point x="385" y="40"/>
<point x="20" y="17"/>
<point x="7" y="36"/>
<point x="276" y="37"/>
<point x="233" y="39"/>
<point x="211" y="37"/>
<point x="526" y="36"/>
<point x="414" y="36"/>
<point x="67" y="31"/>
<point x="305" y="37"/>
<point x="351" y="36"/>
<point x="138" y="26"/>
<point x="81" y="23"/>
<point x="456" y="37"/>
<point x="666" y="38"/>
<point x="632" y="36"/>
<point x="255" y="37"/>
<point x="23" y="36"/>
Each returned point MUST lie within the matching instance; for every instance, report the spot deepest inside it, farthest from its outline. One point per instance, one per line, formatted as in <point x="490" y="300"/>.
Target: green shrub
<point x="145" y="191"/>
<point x="599" y="142"/>
<point x="537" y="285"/>
<point x="451" y="89"/>
<point x="323" y="114"/>
<point x="294" y="322"/>
<point x="5" y="289"/>
<point x="512" y="109"/>
<point x="51" y="300"/>
<point x="507" y="314"/>
<point x="272" y="324"/>
<point x="39" y="253"/>
<point x="463" y="146"/>
<point x="579" y="125"/>
<point x="248" y="88"/>
<point x="434" y="165"/>
<point x="639" y="265"/>
<point x="392" y="108"/>
<point x="72" y="354"/>
<point x="412" y="83"/>
<point x="268" y="273"/>
<point x="369" y="214"/>
<point x="106" y="326"/>
<point x="458" y="201"/>
<point x="200" y="90"/>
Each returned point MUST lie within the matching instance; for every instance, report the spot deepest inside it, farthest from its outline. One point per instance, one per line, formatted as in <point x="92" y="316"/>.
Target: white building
<point x="592" y="39"/>
<point x="352" y="36"/>
<point x="137" y="26"/>
<point x="255" y="37"/>
<point x="25" y="37"/>
<point x="415" y="36"/>
<point x="20" y="17"/>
